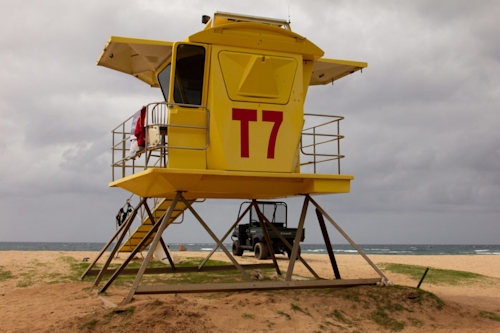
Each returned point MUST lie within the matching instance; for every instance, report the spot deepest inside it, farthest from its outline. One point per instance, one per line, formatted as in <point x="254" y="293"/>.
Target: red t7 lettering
<point x="244" y="116"/>
<point x="277" y="118"/>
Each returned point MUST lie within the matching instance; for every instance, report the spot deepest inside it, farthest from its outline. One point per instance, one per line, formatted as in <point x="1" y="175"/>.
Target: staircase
<point x="147" y="224"/>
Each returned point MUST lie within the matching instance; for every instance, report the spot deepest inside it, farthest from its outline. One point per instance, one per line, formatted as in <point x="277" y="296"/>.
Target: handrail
<point x="156" y="115"/>
<point x="323" y="137"/>
<point x="331" y="138"/>
<point x="121" y="124"/>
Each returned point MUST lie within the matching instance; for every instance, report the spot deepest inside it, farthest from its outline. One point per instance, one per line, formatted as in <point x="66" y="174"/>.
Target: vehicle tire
<point x="237" y="250"/>
<point x="289" y="253"/>
<point x="261" y="251"/>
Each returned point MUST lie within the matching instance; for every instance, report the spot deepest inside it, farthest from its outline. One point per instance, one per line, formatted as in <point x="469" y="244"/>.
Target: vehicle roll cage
<point x="255" y="220"/>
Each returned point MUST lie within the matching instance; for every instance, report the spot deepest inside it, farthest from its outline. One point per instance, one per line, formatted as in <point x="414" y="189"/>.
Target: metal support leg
<point x="225" y="236"/>
<point x="167" y="252"/>
<point x="296" y="242"/>
<point x="161" y="239"/>
<point x="266" y="236"/>
<point x="152" y="247"/>
<point x="118" y="243"/>
<point x="235" y="263"/>
<point x="287" y="244"/>
<point x="120" y="229"/>
<point x="348" y="238"/>
<point x="132" y="254"/>
<point x="328" y="244"/>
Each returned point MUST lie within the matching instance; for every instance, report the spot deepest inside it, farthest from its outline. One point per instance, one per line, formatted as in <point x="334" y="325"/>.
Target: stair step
<point x="147" y="224"/>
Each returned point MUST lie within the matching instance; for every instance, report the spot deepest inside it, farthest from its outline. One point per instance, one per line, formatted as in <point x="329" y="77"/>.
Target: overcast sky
<point x="421" y="122"/>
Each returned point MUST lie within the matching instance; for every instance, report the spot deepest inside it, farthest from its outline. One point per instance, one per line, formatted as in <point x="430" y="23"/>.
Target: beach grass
<point x="286" y="315"/>
<point x="90" y="325"/>
<point x="5" y="274"/>
<point x="295" y="308"/>
<point x="41" y="273"/>
<point x="339" y="316"/>
<point x="437" y="276"/>
<point x="489" y="315"/>
<point x="383" y="319"/>
<point x="248" y="316"/>
<point x="200" y="277"/>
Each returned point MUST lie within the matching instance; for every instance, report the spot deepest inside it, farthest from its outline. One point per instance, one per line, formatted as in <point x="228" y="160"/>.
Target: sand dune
<point x="38" y="293"/>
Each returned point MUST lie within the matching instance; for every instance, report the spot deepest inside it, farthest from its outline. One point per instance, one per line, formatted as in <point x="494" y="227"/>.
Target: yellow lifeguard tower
<point x="232" y="126"/>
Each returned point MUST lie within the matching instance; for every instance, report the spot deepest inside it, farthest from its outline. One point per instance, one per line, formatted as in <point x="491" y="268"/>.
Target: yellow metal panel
<point x="248" y="136"/>
<point x="187" y="137"/>
<point x="231" y="184"/>
<point x="258" y="36"/>
<point x="307" y="69"/>
<point x="328" y="70"/>
<point x="137" y="57"/>
<point x="257" y="77"/>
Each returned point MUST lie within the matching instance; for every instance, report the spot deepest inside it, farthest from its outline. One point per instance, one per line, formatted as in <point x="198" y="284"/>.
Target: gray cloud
<point x="421" y="121"/>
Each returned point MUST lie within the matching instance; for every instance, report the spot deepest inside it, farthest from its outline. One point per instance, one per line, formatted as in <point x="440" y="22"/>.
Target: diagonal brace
<point x="235" y="263"/>
<point x="225" y="236"/>
<point x="266" y="235"/>
<point x="118" y="243"/>
<point x="296" y="242"/>
<point x="347" y="237"/>
<point x="134" y="252"/>
<point x="122" y="227"/>
<point x="167" y="252"/>
<point x="161" y="227"/>
<point x="287" y="244"/>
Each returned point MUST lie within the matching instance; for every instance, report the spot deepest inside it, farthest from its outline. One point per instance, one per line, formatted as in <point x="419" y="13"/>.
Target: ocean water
<point x="306" y="248"/>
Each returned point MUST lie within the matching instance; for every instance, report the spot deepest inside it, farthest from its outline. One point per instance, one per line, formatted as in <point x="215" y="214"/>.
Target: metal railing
<point x="319" y="143"/>
<point x="155" y="155"/>
<point x="322" y="146"/>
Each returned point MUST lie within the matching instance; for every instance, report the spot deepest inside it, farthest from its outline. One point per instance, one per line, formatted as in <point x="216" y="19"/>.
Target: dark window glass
<point x="189" y="71"/>
<point x="164" y="80"/>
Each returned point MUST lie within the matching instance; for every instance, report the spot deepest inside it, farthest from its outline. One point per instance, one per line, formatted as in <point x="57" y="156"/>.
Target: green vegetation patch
<point x="233" y="276"/>
<point x="286" y="315"/>
<point x="430" y="296"/>
<point x="42" y="273"/>
<point x="35" y="262"/>
<point x="298" y="308"/>
<point x="26" y="279"/>
<point x="339" y="316"/>
<point x="89" y="325"/>
<point x="437" y="276"/>
<point x="77" y="268"/>
<point x="4" y="274"/>
<point x="416" y="322"/>
<point x="248" y="316"/>
<point x="127" y="312"/>
<point x="202" y="277"/>
<point x="382" y="318"/>
<point x="489" y="315"/>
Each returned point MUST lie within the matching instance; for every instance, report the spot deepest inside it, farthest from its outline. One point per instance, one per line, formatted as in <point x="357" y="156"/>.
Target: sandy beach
<point x="39" y="292"/>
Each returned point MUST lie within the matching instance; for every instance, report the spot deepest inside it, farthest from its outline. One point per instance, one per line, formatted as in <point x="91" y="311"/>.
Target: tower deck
<point x="221" y="184"/>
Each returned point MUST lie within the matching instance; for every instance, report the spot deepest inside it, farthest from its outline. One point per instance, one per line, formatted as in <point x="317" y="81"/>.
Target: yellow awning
<point x="137" y="57"/>
<point x="329" y="70"/>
